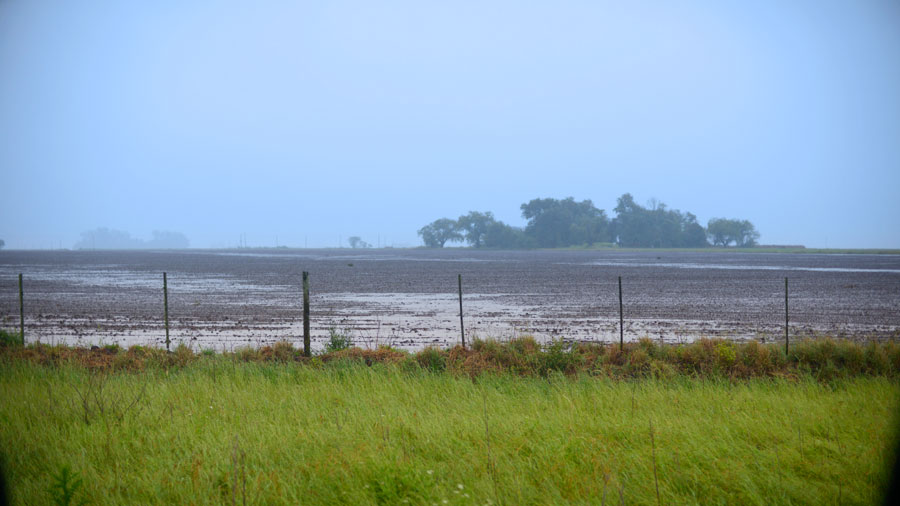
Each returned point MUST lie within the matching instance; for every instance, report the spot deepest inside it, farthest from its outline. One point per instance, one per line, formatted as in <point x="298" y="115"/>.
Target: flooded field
<point x="408" y="298"/>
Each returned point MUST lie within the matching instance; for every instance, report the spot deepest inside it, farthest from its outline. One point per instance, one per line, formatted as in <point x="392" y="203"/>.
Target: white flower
<point x="459" y="486"/>
<point x="429" y="471"/>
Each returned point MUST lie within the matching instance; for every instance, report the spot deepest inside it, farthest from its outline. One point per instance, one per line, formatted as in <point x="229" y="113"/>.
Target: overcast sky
<point x="314" y="121"/>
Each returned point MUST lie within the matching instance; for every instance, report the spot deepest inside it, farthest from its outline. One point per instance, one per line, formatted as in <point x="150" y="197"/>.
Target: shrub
<point x="284" y="351"/>
<point x="725" y="355"/>
<point x="557" y="357"/>
<point x="183" y="355"/>
<point x="432" y="359"/>
<point x="10" y="338"/>
<point x="638" y="362"/>
<point x="337" y="341"/>
<point x="649" y="346"/>
<point x="754" y="359"/>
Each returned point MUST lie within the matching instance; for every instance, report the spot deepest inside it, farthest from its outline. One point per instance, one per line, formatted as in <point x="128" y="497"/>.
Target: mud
<point x="408" y="298"/>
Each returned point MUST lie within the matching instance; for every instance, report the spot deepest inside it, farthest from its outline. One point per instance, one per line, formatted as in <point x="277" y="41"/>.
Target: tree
<point x="723" y="232"/>
<point x="438" y="232"/>
<point x="164" y="239"/>
<point x="719" y="231"/>
<point x="554" y="223"/>
<point x="475" y="225"/>
<point x="2" y="243"/>
<point x="693" y="234"/>
<point x="502" y="236"/>
<point x="357" y="242"/>
<point x="105" y="238"/>
<point x="746" y="234"/>
<point x="656" y="227"/>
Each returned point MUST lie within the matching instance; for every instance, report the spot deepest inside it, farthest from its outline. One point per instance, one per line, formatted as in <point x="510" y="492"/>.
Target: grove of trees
<point x="106" y="238"/>
<point x="560" y="223"/>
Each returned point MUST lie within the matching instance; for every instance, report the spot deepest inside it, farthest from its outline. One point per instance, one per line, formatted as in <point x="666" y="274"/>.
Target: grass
<point x="825" y="359"/>
<point x="504" y="423"/>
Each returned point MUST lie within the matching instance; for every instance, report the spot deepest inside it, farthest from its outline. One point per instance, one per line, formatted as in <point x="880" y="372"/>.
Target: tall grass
<point x="231" y="429"/>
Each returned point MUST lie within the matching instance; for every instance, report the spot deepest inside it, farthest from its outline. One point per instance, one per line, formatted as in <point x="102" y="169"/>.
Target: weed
<point x="10" y="338"/>
<point x="825" y="359"/>
<point x="65" y="487"/>
<point x="338" y="340"/>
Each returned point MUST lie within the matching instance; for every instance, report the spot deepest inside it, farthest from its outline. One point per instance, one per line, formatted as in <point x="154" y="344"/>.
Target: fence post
<point x="786" y="338"/>
<point x="621" y="319"/>
<point x="306" y="314"/>
<point x="21" y="311"/>
<point x="462" y="330"/>
<point x="166" y="309"/>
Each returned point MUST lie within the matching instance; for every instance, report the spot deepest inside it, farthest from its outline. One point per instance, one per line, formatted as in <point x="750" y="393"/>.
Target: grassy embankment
<point x="508" y="423"/>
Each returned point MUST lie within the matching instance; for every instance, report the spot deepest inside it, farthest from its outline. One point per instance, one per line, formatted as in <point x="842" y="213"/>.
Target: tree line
<point x="107" y="238"/>
<point x="560" y="223"/>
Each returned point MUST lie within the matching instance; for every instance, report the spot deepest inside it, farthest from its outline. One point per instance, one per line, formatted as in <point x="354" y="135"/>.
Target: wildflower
<point x="459" y="486"/>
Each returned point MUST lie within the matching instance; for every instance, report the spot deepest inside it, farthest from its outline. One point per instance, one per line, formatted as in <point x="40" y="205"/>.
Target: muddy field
<point x="408" y="298"/>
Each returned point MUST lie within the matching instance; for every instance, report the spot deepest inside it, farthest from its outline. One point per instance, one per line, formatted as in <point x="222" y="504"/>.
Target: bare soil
<point x="408" y="298"/>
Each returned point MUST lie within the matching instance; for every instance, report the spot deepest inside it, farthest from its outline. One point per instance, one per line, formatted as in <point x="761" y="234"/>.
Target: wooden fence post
<point x="166" y="309"/>
<point x="462" y="330"/>
<point x="306" y="339"/>
<point x="621" y="319"/>
<point x="21" y="311"/>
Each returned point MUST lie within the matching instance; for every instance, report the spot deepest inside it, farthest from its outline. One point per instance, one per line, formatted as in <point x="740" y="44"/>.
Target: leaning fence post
<point x="306" y="314"/>
<point x="166" y="309"/>
<point x="621" y="319"/>
<point x="786" y="338"/>
<point x="21" y="311"/>
<point x="462" y="330"/>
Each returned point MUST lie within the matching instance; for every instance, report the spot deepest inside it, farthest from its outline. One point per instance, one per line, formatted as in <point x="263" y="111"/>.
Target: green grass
<point x="217" y="429"/>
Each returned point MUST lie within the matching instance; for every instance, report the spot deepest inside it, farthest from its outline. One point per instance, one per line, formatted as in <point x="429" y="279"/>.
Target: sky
<point x="303" y="123"/>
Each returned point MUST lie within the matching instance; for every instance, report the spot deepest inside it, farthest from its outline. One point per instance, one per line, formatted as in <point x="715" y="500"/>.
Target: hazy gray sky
<point x="319" y="120"/>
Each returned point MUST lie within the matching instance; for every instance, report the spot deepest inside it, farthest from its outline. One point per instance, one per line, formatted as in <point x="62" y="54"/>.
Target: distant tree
<point x="357" y="242"/>
<point x="105" y="238"/>
<point x="693" y="234"/>
<point x="723" y="232"/>
<point x="499" y="235"/>
<point x="164" y="239"/>
<point x="719" y="231"/>
<point x="746" y="234"/>
<point x="554" y="223"/>
<point x="475" y="225"/>
<point x="2" y="243"/>
<point x="656" y="226"/>
<point x="438" y="232"/>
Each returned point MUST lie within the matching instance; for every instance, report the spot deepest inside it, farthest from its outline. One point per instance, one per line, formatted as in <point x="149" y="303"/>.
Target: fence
<point x="306" y="315"/>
